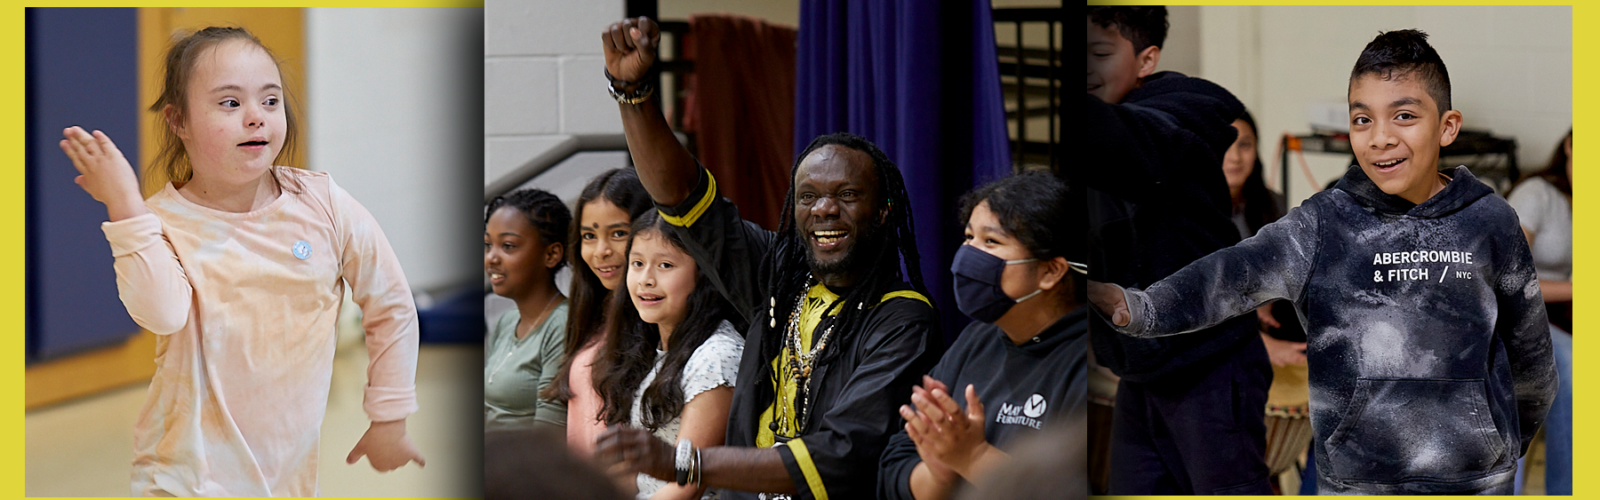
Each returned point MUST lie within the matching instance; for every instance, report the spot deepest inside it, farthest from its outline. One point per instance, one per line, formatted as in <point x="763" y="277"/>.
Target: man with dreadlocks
<point x="837" y="338"/>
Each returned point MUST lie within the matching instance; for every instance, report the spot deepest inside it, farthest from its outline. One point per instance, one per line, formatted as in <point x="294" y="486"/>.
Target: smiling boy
<point x="1431" y="362"/>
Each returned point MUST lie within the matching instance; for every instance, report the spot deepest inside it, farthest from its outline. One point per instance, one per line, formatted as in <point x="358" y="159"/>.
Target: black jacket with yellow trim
<point x="855" y="398"/>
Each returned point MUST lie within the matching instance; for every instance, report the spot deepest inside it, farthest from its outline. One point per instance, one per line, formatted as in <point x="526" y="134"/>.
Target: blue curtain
<point x="920" y="79"/>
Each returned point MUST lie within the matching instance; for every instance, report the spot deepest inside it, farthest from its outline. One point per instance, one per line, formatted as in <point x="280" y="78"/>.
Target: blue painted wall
<point x="82" y="69"/>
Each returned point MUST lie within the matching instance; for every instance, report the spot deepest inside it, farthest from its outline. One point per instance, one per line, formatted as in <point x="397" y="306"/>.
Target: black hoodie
<point x="1158" y="202"/>
<point x="1430" y="355"/>
<point x="1024" y="389"/>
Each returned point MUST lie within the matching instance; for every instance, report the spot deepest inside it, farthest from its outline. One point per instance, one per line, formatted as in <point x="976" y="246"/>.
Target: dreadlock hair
<point x="587" y="294"/>
<point x="630" y="348"/>
<point x="883" y="249"/>
<point x="544" y="211"/>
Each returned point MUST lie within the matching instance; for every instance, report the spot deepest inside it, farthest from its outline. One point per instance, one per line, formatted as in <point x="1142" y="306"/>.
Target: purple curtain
<point x="920" y="79"/>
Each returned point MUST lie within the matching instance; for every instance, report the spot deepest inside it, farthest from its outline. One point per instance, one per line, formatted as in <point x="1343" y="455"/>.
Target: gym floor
<point x="84" y="447"/>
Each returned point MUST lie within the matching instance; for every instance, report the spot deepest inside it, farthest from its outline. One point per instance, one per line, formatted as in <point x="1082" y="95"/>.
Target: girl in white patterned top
<point x="671" y="354"/>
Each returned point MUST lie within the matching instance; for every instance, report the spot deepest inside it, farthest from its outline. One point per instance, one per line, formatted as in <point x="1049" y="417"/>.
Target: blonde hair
<point x="178" y="65"/>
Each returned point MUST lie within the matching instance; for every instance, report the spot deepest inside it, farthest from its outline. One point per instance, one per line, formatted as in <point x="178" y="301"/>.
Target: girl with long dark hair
<point x="671" y="353"/>
<point x="601" y="229"/>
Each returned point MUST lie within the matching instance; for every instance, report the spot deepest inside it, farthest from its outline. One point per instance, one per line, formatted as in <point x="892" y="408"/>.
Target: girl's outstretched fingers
<point x="104" y="172"/>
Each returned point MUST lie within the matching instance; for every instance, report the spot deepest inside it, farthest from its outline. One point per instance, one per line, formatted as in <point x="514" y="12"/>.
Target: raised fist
<point x="630" y="47"/>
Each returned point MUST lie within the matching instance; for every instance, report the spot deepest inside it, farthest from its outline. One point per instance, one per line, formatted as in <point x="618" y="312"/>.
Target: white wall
<point x="1510" y="68"/>
<point x="543" y="78"/>
<point x="393" y="98"/>
<point x="1181" y="51"/>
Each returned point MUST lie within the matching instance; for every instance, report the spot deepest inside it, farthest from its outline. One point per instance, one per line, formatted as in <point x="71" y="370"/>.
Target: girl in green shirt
<point x="523" y="247"/>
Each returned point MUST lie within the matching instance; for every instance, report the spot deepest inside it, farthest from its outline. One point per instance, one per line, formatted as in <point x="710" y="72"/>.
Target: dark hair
<point x="1037" y="209"/>
<point x="1556" y="173"/>
<point x="886" y="248"/>
<point x="1260" y="205"/>
<point x="1144" y="26"/>
<point x="1032" y="206"/>
<point x="172" y="161"/>
<point x="544" y="211"/>
<point x="630" y="349"/>
<point x="1406" y="53"/>
<point x="587" y="294"/>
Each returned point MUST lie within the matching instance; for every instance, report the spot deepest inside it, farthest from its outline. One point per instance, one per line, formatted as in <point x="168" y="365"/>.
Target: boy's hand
<point x="630" y="48"/>
<point x="105" y="172"/>
<point x="386" y="447"/>
<point x="1108" y="299"/>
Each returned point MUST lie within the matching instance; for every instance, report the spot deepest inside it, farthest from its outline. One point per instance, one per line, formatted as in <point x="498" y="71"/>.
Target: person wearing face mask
<point x="1022" y="366"/>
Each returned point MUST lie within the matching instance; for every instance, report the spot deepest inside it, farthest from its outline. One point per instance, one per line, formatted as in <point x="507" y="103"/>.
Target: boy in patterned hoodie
<point x="1431" y="367"/>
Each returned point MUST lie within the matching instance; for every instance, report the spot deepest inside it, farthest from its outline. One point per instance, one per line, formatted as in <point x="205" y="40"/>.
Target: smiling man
<point x="837" y="337"/>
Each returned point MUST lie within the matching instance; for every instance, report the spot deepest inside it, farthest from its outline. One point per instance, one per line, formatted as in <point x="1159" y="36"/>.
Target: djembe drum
<point x="1288" y="417"/>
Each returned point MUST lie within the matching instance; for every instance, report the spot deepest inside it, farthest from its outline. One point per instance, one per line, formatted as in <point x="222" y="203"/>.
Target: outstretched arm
<point x="150" y="281"/>
<point x="665" y="166"/>
<point x="1273" y="264"/>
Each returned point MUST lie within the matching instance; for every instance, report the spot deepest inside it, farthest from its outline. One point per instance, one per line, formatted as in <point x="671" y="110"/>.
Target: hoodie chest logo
<point x="1421" y="265"/>
<point x="1029" y="414"/>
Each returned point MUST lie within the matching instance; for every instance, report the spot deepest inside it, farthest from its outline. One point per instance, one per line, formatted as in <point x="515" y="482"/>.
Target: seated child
<point x="670" y="357"/>
<point x="1431" y="367"/>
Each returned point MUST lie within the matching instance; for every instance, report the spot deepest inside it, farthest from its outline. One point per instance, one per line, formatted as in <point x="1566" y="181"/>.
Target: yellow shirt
<point x="810" y="314"/>
<point x="819" y="300"/>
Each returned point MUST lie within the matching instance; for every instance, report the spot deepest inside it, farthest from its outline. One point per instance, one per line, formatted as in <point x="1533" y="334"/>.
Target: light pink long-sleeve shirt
<point x="244" y="305"/>
<point x="583" y="410"/>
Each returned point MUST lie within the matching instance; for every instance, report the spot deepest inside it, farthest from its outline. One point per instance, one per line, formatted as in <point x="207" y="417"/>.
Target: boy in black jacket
<point x="1189" y="410"/>
<point x="1431" y="367"/>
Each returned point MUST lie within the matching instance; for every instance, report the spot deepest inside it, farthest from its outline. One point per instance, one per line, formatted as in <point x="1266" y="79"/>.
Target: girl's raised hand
<point x="105" y="172"/>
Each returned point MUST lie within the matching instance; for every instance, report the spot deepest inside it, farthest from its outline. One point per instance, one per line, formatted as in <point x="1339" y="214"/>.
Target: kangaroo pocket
<point x="1398" y="430"/>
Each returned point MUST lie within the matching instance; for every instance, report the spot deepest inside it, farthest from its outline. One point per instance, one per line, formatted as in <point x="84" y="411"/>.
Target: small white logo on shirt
<point x="1034" y="407"/>
<point x="301" y="249"/>
<point x="1027" y="413"/>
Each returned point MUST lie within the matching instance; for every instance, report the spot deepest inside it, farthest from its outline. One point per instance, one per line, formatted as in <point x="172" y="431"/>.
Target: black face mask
<point x="978" y="292"/>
